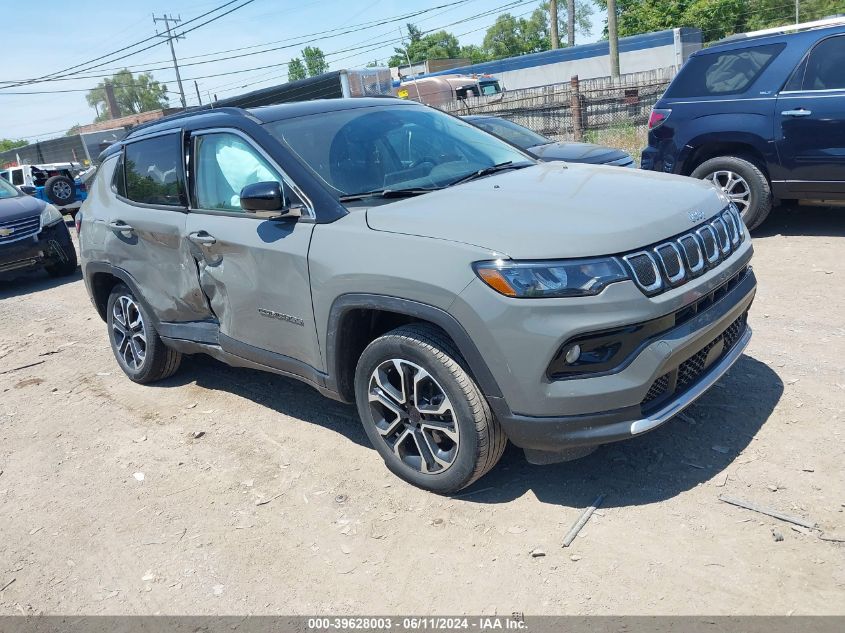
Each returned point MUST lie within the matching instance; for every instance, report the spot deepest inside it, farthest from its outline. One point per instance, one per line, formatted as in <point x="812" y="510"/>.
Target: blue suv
<point x="762" y="117"/>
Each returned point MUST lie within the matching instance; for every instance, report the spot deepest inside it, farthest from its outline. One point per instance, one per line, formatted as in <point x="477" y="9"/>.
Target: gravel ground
<point x="122" y="499"/>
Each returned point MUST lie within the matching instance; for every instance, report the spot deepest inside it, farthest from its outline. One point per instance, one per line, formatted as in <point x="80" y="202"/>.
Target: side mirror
<point x="266" y="200"/>
<point x="30" y="191"/>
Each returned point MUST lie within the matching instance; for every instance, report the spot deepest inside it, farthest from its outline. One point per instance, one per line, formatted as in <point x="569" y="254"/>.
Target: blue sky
<point x="93" y="28"/>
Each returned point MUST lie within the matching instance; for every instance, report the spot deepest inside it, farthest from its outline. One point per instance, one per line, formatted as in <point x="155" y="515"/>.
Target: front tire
<point x="136" y="345"/>
<point x="743" y="182"/>
<point x="67" y="263"/>
<point x="423" y="412"/>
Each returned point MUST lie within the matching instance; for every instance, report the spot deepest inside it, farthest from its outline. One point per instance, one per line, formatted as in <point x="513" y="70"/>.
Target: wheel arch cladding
<point x="103" y="278"/>
<point x="356" y="320"/>
<point x="716" y="149"/>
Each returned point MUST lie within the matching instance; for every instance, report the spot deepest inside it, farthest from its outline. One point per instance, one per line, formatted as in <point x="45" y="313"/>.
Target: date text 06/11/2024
<point x="482" y="623"/>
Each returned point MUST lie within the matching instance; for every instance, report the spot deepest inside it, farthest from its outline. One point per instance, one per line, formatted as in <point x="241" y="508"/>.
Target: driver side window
<point x="224" y="164"/>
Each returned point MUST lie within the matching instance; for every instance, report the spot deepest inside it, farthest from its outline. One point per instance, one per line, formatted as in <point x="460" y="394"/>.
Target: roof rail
<point x="803" y="26"/>
<point x="181" y="115"/>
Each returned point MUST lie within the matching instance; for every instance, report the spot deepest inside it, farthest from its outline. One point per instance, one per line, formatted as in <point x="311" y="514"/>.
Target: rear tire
<point x="743" y="182"/>
<point x="136" y="345"/>
<point x="416" y="370"/>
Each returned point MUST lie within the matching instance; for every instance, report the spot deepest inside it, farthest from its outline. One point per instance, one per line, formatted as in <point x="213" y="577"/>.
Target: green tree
<point x="315" y="61"/>
<point x="475" y="54"/>
<point x="768" y="13"/>
<point x="134" y="94"/>
<point x="715" y="18"/>
<point x="439" y="45"/>
<point x="7" y="144"/>
<point x="296" y="69"/>
<point x="510" y="36"/>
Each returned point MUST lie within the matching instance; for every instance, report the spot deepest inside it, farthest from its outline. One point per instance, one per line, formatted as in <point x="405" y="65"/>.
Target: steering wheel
<point x="423" y="161"/>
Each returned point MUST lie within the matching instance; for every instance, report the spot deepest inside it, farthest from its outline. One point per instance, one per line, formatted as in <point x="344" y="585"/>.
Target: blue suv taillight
<point x="658" y="118"/>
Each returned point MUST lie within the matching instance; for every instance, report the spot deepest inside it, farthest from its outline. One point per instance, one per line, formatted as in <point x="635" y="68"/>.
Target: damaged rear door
<point x="253" y="271"/>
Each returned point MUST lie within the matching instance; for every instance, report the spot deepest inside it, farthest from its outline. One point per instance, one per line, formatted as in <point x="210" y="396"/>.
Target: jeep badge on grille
<point x="696" y="216"/>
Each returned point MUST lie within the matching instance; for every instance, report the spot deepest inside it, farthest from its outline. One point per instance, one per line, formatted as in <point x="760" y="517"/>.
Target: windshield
<point x="7" y="190"/>
<point x="490" y="87"/>
<point x="392" y="147"/>
<point x="511" y="132"/>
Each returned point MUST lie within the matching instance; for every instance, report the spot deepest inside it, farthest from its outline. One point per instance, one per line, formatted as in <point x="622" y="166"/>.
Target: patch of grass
<point x="627" y="137"/>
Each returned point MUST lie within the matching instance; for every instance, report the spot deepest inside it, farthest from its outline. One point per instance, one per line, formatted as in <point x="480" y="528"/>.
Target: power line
<point x="376" y="45"/>
<point x="369" y="46"/>
<point x="306" y="39"/>
<point x="58" y="74"/>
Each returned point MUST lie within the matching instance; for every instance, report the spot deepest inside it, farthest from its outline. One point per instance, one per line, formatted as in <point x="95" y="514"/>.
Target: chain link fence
<point x="604" y="110"/>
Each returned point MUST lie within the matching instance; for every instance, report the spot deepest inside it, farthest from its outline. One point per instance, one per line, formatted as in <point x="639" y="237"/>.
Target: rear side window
<point x="153" y="171"/>
<point x="118" y="181"/>
<point x="17" y="177"/>
<point x="731" y="72"/>
<point x="826" y="66"/>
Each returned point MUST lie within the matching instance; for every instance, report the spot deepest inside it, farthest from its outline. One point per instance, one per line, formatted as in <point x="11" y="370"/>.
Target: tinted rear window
<point x="154" y="173"/>
<point x="731" y="72"/>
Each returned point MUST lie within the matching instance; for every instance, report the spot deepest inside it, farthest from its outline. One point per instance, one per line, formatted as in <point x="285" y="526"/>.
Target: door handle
<point x="119" y="226"/>
<point x="800" y="112"/>
<point x="202" y="238"/>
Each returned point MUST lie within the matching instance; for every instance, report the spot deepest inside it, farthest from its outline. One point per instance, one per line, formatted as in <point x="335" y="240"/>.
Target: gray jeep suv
<point x="461" y="293"/>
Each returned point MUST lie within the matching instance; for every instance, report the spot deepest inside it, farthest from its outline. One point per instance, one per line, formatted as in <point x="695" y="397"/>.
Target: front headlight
<point x="50" y="215"/>
<point x="563" y="278"/>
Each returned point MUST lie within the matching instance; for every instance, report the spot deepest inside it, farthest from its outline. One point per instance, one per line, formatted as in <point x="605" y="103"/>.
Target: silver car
<point x="460" y="292"/>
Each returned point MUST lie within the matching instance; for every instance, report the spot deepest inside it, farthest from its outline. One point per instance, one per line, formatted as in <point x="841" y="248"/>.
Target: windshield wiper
<point x="487" y="171"/>
<point x="387" y="193"/>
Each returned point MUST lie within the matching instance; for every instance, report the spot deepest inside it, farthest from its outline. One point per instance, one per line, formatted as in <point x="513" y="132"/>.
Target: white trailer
<point x="638" y="53"/>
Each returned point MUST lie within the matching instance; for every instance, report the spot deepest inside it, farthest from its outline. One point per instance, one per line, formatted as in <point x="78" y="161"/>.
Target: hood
<point x="578" y="153"/>
<point x="19" y="208"/>
<point x="555" y="210"/>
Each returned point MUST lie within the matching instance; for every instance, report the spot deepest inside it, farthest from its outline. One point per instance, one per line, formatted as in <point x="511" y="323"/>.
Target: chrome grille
<point x="708" y="239"/>
<point x="722" y="235"/>
<point x="13" y="230"/>
<point x="692" y="254"/>
<point x="733" y="228"/>
<point x="645" y="271"/>
<point x="670" y="259"/>
<point x="685" y="256"/>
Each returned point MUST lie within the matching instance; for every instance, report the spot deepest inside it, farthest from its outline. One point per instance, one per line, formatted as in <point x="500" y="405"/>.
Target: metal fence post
<point x="575" y="109"/>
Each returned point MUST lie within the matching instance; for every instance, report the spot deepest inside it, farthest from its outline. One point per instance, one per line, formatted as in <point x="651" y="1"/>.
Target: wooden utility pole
<point x="170" y="37"/>
<point x="613" y="38"/>
<point x="553" y="23"/>
<point x="570" y="22"/>
<point x="114" y="109"/>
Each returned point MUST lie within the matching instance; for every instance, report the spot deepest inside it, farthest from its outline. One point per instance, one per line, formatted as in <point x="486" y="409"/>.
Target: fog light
<point x="573" y="354"/>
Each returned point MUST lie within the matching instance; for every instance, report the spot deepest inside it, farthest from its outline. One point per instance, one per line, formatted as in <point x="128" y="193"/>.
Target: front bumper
<point x="557" y="434"/>
<point x="43" y="249"/>
<point x="662" y="377"/>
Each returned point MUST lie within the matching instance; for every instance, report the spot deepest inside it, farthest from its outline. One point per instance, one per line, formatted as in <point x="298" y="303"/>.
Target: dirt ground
<point x="109" y="504"/>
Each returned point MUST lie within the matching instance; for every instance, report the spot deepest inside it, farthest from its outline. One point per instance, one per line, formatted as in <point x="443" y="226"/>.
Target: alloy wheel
<point x="734" y="186"/>
<point x="128" y="332"/>
<point x="414" y="416"/>
<point x="62" y="190"/>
